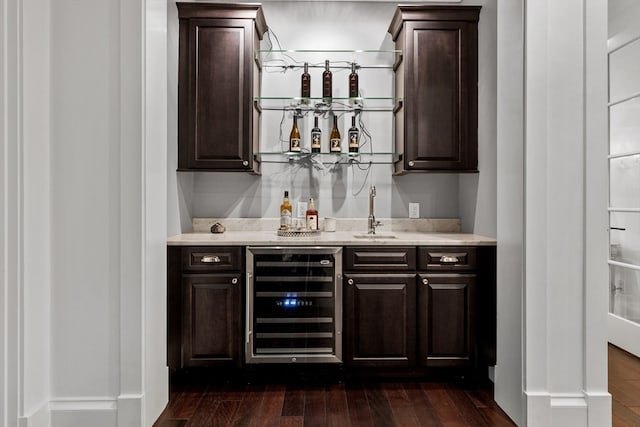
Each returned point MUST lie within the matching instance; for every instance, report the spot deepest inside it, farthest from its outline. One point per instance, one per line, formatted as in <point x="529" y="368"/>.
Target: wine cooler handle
<point x="248" y="310"/>
<point x="350" y="281"/>
<point x="210" y="259"/>
<point x="449" y="259"/>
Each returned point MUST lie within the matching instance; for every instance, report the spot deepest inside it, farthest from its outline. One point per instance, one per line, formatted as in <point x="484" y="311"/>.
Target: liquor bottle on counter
<point x="312" y="216"/>
<point x="353" y="82"/>
<point x="294" y="136"/>
<point x="334" y="138"/>
<point x="316" y="136"/>
<point x="285" y="213"/>
<point x="354" y="136"/>
<point x="305" y="84"/>
<point x="327" y="83"/>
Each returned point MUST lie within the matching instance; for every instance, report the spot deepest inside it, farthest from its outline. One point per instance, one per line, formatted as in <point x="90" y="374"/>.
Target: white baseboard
<point x="40" y="418"/>
<point x="84" y="413"/>
<point x="130" y="410"/>
<point x="568" y="410"/>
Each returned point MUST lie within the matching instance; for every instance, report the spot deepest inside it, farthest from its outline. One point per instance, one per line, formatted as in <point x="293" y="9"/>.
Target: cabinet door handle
<point x="412" y="163"/>
<point x="350" y="281"/>
<point x="449" y="259"/>
<point x="234" y="281"/>
<point x="425" y="281"/>
<point x="210" y="259"/>
<point x="245" y="163"/>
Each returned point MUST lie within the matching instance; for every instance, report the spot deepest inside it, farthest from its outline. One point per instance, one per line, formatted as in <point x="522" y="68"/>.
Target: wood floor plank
<point x="422" y="407"/>
<point x="469" y="412"/>
<point x="293" y="402"/>
<point x="622" y="365"/>
<point x="315" y="408"/>
<point x="401" y="406"/>
<point x="337" y="409"/>
<point x="224" y="413"/>
<point x="623" y="416"/>
<point x="288" y="421"/>
<point x="379" y="404"/>
<point x="170" y="423"/>
<point x="251" y="402"/>
<point x="626" y="392"/>
<point x="495" y="417"/>
<point x="445" y="408"/>
<point x="203" y="413"/>
<point x="270" y="410"/>
<point x="359" y="411"/>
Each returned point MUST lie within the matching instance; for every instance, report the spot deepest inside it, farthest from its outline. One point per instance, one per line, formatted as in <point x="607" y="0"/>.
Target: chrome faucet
<point x="372" y="223"/>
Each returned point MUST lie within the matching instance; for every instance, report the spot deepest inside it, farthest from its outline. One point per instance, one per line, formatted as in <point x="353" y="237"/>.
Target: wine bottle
<point x="305" y="84"/>
<point x="294" y="136"/>
<point x="327" y="83"/>
<point x="334" y="138"/>
<point x="353" y="82"/>
<point x="285" y="213"/>
<point x="312" y="216"/>
<point x="354" y="136"/>
<point x="316" y="136"/>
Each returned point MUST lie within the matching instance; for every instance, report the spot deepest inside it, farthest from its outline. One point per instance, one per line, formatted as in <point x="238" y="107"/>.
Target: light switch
<point x="414" y="210"/>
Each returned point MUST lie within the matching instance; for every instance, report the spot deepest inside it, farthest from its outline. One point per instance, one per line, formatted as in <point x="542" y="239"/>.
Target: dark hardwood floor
<point x="356" y="404"/>
<point x="624" y="386"/>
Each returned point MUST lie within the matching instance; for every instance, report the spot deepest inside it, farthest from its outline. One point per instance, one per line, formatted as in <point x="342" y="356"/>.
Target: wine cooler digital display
<point x="294" y="305"/>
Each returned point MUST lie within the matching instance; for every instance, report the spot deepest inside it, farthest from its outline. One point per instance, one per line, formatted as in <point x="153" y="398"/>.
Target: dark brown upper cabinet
<point x="218" y="76"/>
<point x="436" y="126"/>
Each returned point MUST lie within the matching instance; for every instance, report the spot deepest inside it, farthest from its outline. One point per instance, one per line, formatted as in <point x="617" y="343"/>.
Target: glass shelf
<point x="327" y="158"/>
<point x="340" y="58"/>
<point x="319" y="105"/>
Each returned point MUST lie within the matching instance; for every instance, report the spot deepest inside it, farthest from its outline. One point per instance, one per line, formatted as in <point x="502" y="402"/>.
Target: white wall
<point x="343" y="192"/>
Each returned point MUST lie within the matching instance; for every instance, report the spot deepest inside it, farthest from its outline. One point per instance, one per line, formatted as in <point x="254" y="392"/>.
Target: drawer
<point x="380" y="258"/>
<point x="206" y="259"/>
<point x="451" y="258"/>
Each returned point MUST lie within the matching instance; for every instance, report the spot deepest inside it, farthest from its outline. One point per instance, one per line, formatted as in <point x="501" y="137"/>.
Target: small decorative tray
<point x="298" y="233"/>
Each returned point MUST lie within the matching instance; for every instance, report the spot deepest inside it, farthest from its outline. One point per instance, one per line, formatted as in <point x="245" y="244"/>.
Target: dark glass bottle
<point x="327" y="82"/>
<point x="353" y="82"/>
<point x="354" y="136"/>
<point x="316" y="136"/>
<point x="305" y="82"/>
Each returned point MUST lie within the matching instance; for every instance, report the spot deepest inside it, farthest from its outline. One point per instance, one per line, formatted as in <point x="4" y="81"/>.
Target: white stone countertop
<point x="349" y="232"/>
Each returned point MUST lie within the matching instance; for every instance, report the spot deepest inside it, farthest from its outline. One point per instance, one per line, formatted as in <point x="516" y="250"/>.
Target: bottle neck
<point x="353" y="121"/>
<point x="315" y="121"/>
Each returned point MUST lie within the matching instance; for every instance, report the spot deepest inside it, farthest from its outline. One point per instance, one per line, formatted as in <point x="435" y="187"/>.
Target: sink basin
<point x="375" y="236"/>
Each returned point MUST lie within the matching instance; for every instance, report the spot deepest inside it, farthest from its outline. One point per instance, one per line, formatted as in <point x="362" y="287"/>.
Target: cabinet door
<point x="379" y="313"/>
<point x="211" y="332"/>
<point x="446" y="319"/>
<point x="215" y="93"/>
<point x="440" y="95"/>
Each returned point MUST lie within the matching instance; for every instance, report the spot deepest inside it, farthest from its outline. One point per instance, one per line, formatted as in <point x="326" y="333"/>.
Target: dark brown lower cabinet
<point x="211" y="333"/>
<point x="379" y="314"/>
<point x="446" y="319"/>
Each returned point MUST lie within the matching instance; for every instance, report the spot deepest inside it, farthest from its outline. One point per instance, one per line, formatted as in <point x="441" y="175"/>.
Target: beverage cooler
<point x="294" y="305"/>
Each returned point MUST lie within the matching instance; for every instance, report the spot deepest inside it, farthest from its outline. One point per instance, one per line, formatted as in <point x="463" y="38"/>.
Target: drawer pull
<point x="449" y="259"/>
<point x="425" y="281"/>
<point x="350" y="281"/>
<point x="234" y="281"/>
<point x="210" y="259"/>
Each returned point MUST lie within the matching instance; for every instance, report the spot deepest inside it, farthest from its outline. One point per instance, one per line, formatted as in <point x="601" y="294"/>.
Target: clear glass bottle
<point x="334" y="138"/>
<point x="312" y="216"/>
<point x="294" y="137"/>
<point x="285" y="213"/>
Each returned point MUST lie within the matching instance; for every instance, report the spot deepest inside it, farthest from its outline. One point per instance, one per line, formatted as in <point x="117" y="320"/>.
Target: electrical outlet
<point x="414" y="210"/>
<point x="301" y="209"/>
